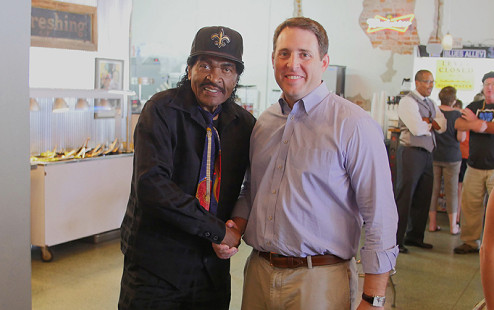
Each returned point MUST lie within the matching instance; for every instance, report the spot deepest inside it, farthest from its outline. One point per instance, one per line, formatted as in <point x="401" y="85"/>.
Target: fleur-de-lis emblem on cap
<point x="220" y="40"/>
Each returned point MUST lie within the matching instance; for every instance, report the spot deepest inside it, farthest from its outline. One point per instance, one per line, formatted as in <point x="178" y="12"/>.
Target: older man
<point x="187" y="141"/>
<point x="478" y="117"/>
<point x="420" y="118"/>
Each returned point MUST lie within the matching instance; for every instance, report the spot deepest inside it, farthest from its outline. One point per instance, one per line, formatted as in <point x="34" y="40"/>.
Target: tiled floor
<point x="86" y="276"/>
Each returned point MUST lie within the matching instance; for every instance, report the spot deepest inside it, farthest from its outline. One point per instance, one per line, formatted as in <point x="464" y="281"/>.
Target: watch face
<point x="376" y="301"/>
<point x="379" y="301"/>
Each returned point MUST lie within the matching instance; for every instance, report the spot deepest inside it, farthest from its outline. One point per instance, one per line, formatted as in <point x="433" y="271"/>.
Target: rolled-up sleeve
<point x="371" y="179"/>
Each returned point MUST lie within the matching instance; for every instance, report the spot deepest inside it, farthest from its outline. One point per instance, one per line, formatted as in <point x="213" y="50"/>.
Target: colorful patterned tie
<point x="208" y="189"/>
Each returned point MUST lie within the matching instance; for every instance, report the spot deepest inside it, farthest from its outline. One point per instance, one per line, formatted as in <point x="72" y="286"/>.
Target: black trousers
<point x="141" y="289"/>
<point x="413" y="192"/>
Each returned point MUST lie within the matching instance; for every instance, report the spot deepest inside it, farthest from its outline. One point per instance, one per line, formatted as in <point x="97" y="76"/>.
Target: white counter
<point x="78" y="198"/>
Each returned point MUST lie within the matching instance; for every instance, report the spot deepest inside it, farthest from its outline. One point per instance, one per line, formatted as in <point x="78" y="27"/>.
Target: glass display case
<point x="64" y="121"/>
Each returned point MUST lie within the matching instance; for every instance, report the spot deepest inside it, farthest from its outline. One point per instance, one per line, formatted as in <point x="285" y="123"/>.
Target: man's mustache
<point x="213" y="85"/>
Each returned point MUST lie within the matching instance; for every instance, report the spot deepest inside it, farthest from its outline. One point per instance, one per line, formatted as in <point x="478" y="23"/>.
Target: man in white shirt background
<point x="420" y="118"/>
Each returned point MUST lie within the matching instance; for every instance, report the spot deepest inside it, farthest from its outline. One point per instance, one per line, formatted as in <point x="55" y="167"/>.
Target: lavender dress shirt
<point x="318" y="172"/>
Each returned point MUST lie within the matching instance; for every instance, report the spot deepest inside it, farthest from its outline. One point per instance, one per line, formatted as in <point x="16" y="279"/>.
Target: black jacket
<point x="165" y="230"/>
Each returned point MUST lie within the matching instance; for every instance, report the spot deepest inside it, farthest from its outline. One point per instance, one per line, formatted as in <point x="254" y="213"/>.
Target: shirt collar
<point x="308" y="102"/>
<point x="418" y="94"/>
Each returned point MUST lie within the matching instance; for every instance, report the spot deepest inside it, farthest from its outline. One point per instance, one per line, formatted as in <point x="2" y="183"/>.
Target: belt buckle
<point x="273" y="255"/>
<point x="270" y="258"/>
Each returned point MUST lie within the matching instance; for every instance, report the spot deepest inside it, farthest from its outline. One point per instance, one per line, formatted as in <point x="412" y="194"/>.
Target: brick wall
<point x="401" y="43"/>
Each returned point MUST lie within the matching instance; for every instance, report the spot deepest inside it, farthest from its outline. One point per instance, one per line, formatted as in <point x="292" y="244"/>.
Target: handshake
<point x="229" y="244"/>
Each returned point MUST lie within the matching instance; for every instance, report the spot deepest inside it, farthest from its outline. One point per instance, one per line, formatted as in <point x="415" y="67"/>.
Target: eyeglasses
<point x="427" y="81"/>
<point x="489" y="84"/>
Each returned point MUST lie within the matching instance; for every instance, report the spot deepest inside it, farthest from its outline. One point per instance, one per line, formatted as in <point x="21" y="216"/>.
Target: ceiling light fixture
<point x="447" y="42"/>
<point x="82" y="105"/>
<point x="33" y="105"/>
<point x="60" y="106"/>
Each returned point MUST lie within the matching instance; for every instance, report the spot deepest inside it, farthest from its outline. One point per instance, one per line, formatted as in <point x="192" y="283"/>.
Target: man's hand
<point x="468" y="115"/>
<point x="374" y="285"/>
<point x="473" y="122"/>
<point x="229" y="245"/>
<point x="364" y="305"/>
<point x="233" y="235"/>
<point x="223" y="251"/>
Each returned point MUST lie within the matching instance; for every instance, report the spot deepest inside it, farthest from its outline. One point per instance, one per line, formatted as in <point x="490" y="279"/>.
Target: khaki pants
<point x="476" y="184"/>
<point x="323" y="287"/>
<point x="450" y="171"/>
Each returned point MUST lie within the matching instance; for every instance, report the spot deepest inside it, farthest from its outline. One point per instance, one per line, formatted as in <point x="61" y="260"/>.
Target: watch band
<point x="376" y="301"/>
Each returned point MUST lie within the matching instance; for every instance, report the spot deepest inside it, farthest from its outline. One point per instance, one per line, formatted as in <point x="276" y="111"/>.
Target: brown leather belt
<point x="280" y="261"/>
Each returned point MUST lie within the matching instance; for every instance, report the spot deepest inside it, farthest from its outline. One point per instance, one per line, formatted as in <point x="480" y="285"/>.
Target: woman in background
<point x="446" y="162"/>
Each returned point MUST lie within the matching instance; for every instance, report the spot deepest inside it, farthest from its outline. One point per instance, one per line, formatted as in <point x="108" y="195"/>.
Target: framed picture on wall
<point x="108" y="74"/>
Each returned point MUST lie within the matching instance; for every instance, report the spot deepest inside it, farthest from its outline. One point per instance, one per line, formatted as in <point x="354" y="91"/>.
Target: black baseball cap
<point x="218" y="41"/>
<point x="488" y="75"/>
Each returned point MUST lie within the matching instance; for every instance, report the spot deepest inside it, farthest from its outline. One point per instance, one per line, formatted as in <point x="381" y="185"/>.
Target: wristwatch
<point x="376" y="301"/>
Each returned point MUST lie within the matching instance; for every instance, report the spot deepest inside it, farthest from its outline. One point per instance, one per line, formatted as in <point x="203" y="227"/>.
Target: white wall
<point x="169" y="27"/>
<point x="15" y="258"/>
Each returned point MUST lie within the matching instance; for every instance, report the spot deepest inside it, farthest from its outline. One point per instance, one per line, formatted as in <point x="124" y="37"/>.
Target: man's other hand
<point x="229" y="244"/>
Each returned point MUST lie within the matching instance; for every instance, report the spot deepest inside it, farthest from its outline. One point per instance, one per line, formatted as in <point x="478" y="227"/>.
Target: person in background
<point x="447" y="162"/>
<point x="419" y="120"/>
<point x="464" y="158"/>
<point x="318" y="172"/>
<point x="477" y="117"/>
<point x="187" y="140"/>
<point x="479" y="96"/>
<point x="487" y="254"/>
<point x="464" y="147"/>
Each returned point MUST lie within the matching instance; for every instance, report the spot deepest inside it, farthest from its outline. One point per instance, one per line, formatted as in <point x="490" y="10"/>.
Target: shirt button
<point x="270" y="218"/>
<point x="274" y="191"/>
<point x="279" y="166"/>
<point x="291" y="117"/>
<point x="286" y="141"/>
